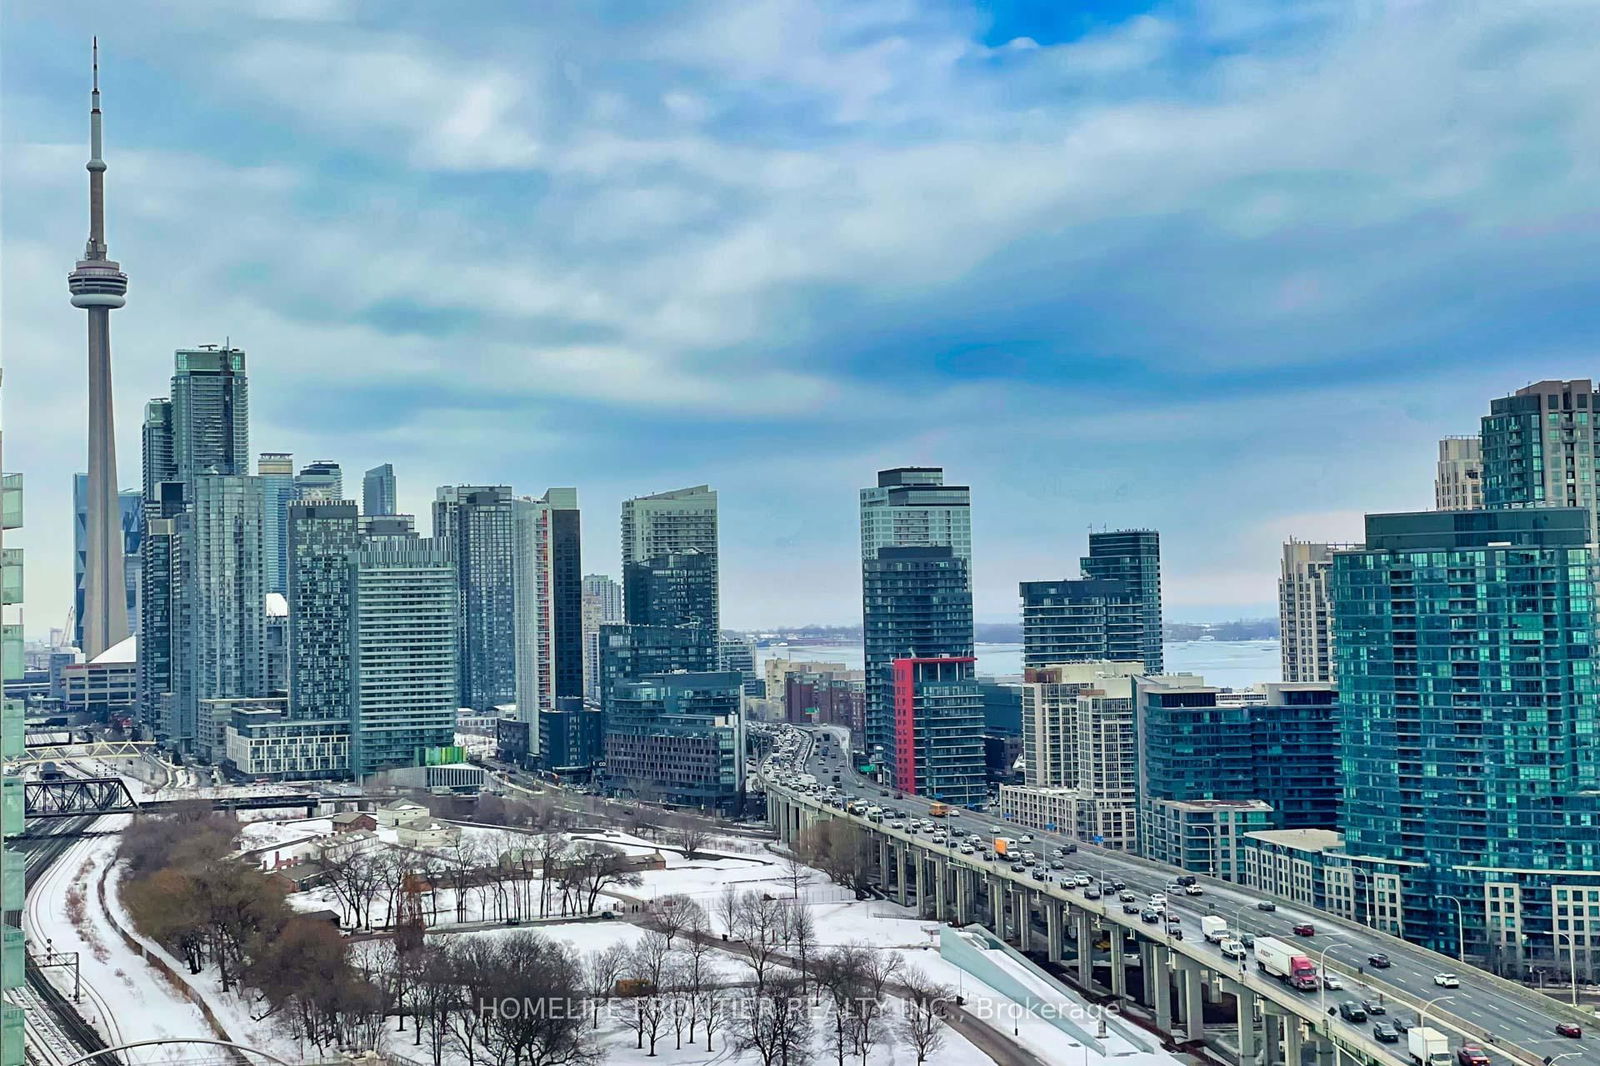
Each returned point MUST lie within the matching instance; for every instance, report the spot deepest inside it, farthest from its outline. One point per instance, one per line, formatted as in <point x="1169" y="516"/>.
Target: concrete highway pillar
<point x="1024" y="913"/>
<point x="1293" y="1042"/>
<point x="900" y="872"/>
<point x="1214" y="989"/>
<point x="1245" y="1007"/>
<point x="883" y="861"/>
<point x="997" y="907"/>
<point x="1119" y="963"/>
<point x="1270" y="1023"/>
<point x="1322" y="1050"/>
<point x="1160" y="979"/>
<point x="941" y="867"/>
<point x="1052" y="929"/>
<point x="1194" y="1006"/>
<point x="1085" y="949"/>
<point x="963" y="895"/>
<point x="1147" y="969"/>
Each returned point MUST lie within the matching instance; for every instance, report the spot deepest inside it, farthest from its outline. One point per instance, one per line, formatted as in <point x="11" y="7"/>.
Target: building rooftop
<point x="124" y="651"/>
<point x="277" y="605"/>
<point x="1300" y="839"/>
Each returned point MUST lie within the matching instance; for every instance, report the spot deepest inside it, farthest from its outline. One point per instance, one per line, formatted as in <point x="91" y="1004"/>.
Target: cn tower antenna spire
<point x="98" y="286"/>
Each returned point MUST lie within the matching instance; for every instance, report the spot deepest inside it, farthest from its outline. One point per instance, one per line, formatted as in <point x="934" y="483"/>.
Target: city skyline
<point x="1125" y="409"/>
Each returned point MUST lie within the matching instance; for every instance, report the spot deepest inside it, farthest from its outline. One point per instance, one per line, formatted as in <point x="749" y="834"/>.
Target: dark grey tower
<point x="97" y="285"/>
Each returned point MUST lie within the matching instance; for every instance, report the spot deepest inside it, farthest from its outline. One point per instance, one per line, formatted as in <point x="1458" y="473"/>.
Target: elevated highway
<point x="1512" y="1023"/>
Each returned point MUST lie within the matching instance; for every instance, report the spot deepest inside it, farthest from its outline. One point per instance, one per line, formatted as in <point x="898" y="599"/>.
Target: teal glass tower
<point x="1465" y="646"/>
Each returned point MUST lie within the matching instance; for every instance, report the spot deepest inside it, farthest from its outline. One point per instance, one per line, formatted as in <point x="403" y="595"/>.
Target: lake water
<point x="1225" y="663"/>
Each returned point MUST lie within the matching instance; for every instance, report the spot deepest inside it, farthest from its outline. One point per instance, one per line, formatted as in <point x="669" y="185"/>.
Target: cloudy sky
<point x="1225" y="269"/>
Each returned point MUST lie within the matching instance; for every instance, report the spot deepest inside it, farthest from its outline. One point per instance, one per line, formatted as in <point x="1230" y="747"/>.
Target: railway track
<point x="58" y="1032"/>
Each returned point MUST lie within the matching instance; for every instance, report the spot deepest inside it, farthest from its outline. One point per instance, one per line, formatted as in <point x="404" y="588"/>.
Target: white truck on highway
<point x="1293" y="968"/>
<point x="1428" y="1047"/>
<point x="1214" y="927"/>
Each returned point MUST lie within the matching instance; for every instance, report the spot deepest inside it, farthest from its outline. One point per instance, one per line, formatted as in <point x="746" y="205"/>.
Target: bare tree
<point x="356" y="879"/>
<point x="840" y="850"/>
<point x="698" y="972"/>
<point x="649" y="969"/>
<point x="778" y="1025"/>
<point x="728" y="910"/>
<point x="922" y="1024"/>
<point x="690" y="835"/>
<point x="796" y="872"/>
<point x="600" y="866"/>
<point x="673" y="914"/>
<point x="841" y="978"/>
<point x="760" y="928"/>
<point x="601" y="971"/>
<point x="878" y="971"/>
<point x="800" y="935"/>
<point x="714" y="1007"/>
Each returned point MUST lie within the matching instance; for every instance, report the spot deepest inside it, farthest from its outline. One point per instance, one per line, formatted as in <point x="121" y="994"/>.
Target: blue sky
<point x="1226" y="269"/>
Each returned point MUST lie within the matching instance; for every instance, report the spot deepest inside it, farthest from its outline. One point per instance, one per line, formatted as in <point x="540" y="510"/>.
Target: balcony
<point x="10" y="501"/>
<point x="10" y="577"/>
<point x="13" y="663"/>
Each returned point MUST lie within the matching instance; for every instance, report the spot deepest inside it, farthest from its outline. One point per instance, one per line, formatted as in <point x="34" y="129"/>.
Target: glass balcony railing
<point x="10" y="576"/>
<point x="10" y="501"/>
<point x="12" y="812"/>
<point x="13" y="957"/>
<point x="13" y="879"/>
<point x="13" y="662"/>
<point x="13" y="724"/>
<point x="12" y="1020"/>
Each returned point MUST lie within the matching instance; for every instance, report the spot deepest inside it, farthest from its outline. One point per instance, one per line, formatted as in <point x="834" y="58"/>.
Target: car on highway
<point x="1385" y="1033"/>
<point x="1092" y="893"/>
<point x="1118" y="886"/>
<point x="997" y="829"/>
<point x="1126" y="896"/>
<point x="1130" y="908"/>
<point x="1150" y="915"/>
<point x="1471" y="1055"/>
<point x="1017" y="867"/>
<point x="1026" y="839"/>
<point x="1331" y="982"/>
<point x="1447" y="980"/>
<point x="1570" y="1029"/>
<point x="1305" y="929"/>
<point x="1175" y="931"/>
<point x="1401" y="1024"/>
<point x="1247" y="939"/>
<point x="1192" y="890"/>
<point x="1040" y="874"/>
<point x="1083" y="880"/>
<point x="1266" y="905"/>
<point x="1058" y="865"/>
<point x="1233" y="949"/>
<point x="1351" y="1011"/>
<point x="1379" y="961"/>
<point x="1157" y="899"/>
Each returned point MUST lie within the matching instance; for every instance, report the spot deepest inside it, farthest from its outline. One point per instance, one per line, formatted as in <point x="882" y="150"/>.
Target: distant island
<point x="1011" y="632"/>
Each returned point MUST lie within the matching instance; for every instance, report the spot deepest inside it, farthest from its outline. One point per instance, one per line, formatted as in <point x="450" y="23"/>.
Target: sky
<point x="1227" y="269"/>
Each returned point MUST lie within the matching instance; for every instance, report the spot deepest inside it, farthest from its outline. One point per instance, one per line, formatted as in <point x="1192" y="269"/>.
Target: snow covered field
<point x="128" y="1000"/>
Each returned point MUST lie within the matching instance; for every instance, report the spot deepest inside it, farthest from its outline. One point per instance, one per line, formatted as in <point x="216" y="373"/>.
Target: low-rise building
<point x="396" y="813"/>
<point x="678" y="738"/>
<point x="351" y="821"/>
<point x="105" y="686"/>
<point x="257" y="740"/>
<point x="1203" y="835"/>
<point x="426" y="833"/>
<point x="1289" y="863"/>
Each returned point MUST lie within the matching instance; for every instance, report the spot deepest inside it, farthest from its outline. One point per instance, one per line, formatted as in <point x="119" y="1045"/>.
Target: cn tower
<point x="97" y="285"/>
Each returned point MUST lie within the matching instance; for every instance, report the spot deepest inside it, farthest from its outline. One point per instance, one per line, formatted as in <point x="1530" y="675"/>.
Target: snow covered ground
<point x="123" y="996"/>
<point x="128" y="1000"/>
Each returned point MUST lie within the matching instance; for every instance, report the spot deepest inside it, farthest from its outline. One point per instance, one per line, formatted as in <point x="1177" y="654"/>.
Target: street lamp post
<point x="1211" y="834"/>
<point x="1461" y="929"/>
<point x="1572" y="963"/>
<point x="1422" y="1015"/>
<point x="1322" y="975"/>
<point x="1372" y="894"/>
